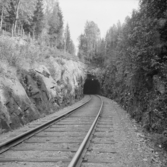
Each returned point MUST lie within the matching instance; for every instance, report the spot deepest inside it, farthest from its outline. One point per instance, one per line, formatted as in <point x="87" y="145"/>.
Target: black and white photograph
<point x="83" y="83"/>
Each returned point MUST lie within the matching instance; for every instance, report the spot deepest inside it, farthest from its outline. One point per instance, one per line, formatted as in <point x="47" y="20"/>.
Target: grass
<point x="16" y="52"/>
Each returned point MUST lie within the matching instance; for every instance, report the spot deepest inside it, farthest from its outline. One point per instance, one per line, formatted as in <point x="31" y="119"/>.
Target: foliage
<point x="38" y="19"/>
<point x="55" y="23"/>
<point x="41" y="19"/>
<point x="135" y="64"/>
<point x="21" y="53"/>
<point x="16" y="13"/>
<point x="88" y="42"/>
<point x="68" y="43"/>
<point x="133" y="55"/>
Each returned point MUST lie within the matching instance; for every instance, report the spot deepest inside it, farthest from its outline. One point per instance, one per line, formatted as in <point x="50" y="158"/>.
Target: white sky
<point x="104" y="13"/>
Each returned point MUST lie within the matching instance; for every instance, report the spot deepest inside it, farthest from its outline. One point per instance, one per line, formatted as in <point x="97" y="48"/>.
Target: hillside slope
<point x="35" y="80"/>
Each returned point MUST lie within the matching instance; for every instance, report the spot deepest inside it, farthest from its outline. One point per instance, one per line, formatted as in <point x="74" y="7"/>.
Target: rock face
<point x="29" y="93"/>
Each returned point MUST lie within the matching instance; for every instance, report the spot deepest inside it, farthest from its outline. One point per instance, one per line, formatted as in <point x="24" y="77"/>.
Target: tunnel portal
<point x="92" y="85"/>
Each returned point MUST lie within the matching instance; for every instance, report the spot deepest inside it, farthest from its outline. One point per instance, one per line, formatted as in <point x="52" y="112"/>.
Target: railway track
<point x="82" y="137"/>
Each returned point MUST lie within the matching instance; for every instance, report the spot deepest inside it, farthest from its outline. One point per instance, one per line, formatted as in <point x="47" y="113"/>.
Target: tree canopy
<point x="88" y="41"/>
<point x="133" y="56"/>
<point x="135" y="64"/>
<point x="68" y="43"/>
<point x="40" y="19"/>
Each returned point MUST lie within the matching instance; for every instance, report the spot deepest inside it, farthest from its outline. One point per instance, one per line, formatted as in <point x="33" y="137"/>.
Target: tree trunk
<point x="2" y="17"/>
<point x="17" y="16"/>
<point x="12" y="30"/>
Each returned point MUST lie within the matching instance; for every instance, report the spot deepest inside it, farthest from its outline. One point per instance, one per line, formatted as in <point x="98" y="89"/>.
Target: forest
<point x="38" y="19"/>
<point x="134" y="58"/>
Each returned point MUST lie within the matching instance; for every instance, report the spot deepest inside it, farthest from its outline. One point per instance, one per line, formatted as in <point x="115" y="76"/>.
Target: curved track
<point x="55" y="142"/>
<point x="82" y="139"/>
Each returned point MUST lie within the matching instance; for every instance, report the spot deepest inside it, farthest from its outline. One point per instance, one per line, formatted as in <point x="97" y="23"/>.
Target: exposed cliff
<point x="35" y="81"/>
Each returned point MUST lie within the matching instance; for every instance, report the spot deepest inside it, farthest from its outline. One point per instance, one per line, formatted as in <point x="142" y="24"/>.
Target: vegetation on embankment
<point x="35" y="80"/>
<point x="38" y="70"/>
<point x="134" y="59"/>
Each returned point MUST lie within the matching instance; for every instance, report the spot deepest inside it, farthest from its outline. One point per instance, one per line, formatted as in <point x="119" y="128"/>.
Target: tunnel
<point x="92" y="85"/>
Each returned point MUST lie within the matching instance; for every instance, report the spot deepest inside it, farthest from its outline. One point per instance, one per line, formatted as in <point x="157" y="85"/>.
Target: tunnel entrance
<point x="92" y="85"/>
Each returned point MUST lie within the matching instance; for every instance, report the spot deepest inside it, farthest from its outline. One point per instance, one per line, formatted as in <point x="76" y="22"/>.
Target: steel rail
<point x="79" y="152"/>
<point x="20" y="138"/>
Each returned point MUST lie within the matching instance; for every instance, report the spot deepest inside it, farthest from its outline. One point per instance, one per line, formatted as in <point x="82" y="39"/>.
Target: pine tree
<point x="56" y="27"/>
<point x="72" y="48"/>
<point x="82" y="52"/>
<point x="3" y="4"/>
<point x="38" y="19"/>
<point x="68" y="43"/>
<point x="26" y="14"/>
<point x="10" y="18"/>
<point x="67" y="38"/>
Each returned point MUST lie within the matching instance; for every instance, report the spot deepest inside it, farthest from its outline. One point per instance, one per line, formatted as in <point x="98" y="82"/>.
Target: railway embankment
<point x="35" y="80"/>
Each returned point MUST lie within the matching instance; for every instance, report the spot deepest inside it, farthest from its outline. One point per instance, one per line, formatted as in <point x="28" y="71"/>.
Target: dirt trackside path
<point x="129" y="142"/>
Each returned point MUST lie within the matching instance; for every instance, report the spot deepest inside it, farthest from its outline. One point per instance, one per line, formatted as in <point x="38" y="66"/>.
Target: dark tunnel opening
<point x="92" y="85"/>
